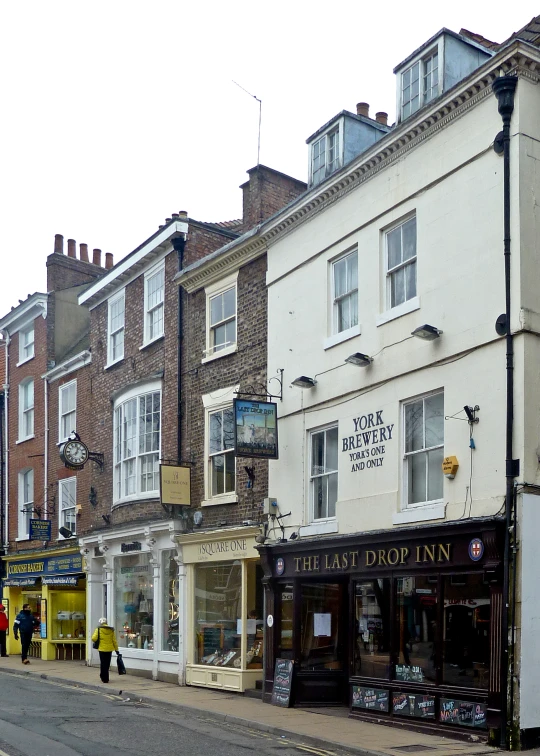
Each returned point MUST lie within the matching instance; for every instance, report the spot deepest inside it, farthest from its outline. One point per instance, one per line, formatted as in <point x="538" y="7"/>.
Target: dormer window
<point x="325" y="156"/>
<point x="419" y="84"/>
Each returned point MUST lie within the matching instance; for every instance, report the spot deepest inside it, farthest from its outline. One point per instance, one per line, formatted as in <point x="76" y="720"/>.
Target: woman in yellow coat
<point x="106" y="636"/>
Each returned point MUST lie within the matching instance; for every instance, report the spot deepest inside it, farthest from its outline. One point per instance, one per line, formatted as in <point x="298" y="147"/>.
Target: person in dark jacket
<point x="25" y="622"/>
<point x="4" y="624"/>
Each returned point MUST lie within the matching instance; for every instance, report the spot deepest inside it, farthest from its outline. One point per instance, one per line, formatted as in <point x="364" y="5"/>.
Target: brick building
<point x="45" y="351"/>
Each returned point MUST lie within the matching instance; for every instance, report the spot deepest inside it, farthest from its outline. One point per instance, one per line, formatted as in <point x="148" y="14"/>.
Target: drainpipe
<point x="46" y="449"/>
<point x="7" y="341"/>
<point x="504" y="88"/>
<point x="179" y="244"/>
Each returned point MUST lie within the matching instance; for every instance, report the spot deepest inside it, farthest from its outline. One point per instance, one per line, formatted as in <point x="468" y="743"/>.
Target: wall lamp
<point x="426" y="332"/>
<point x="359" y="359"/>
<point x="304" y="382"/>
<point x="65" y="532"/>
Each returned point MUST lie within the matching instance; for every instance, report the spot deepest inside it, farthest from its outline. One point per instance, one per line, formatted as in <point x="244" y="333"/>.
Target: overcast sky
<point x="116" y="114"/>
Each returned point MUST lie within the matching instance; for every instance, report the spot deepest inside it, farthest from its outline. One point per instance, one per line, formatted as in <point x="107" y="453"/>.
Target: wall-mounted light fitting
<point x="359" y="359"/>
<point x="304" y="382"/>
<point x="106" y="519"/>
<point x="426" y="332"/>
<point x="65" y="532"/>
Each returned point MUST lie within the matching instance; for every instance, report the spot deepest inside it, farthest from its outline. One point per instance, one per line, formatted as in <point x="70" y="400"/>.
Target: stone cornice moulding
<point x="519" y="58"/>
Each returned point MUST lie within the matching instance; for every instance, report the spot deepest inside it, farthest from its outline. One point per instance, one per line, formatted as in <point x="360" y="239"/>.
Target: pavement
<point x="325" y="729"/>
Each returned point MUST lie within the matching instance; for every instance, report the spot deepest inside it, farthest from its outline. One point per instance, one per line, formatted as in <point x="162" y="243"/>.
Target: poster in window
<point x="255" y="429"/>
<point x="175" y="485"/>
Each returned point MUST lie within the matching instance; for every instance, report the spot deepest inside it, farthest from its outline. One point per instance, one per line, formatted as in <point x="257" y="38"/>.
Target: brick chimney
<point x="72" y="248"/>
<point x="84" y="252"/>
<point x="108" y="260"/>
<point x="266" y="192"/>
<point x="362" y="109"/>
<point x="58" y="244"/>
<point x="382" y="117"/>
<point x="66" y="271"/>
<point x="96" y="257"/>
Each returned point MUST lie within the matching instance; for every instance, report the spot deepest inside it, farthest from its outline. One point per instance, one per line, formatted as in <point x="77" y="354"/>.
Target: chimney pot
<point x="59" y="244"/>
<point x="183" y="213"/>
<point x="96" y="257"/>
<point x="72" y="248"/>
<point x="382" y="117"/>
<point x="83" y="252"/>
<point x="362" y="109"/>
<point x="108" y="260"/>
<point x="168" y="220"/>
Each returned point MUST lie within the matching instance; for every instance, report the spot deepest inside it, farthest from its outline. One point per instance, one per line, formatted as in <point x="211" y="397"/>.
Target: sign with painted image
<point x="464" y="713"/>
<point x="255" y="429"/>
<point x="373" y="699"/>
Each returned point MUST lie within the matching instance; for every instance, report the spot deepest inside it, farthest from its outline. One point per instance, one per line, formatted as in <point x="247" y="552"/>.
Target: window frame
<point x="403" y="264"/>
<point x="119" y="463"/>
<point x="111" y="302"/>
<point x="22" y="347"/>
<point x="25" y="412"/>
<point x="327" y="166"/>
<point x="335" y="299"/>
<point x="61" y="390"/>
<point x="218" y="400"/>
<point x="149" y="311"/>
<point x="24" y="517"/>
<point x="406" y="505"/>
<point x="422" y="62"/>
<point x="211" y="293"/>
<point x="311" y="477"/>
<point x="62" y="509"/>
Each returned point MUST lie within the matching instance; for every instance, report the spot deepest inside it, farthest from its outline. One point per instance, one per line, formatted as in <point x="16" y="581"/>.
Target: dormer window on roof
<point x="420" y="83"/>
<point x="325" y="156"/>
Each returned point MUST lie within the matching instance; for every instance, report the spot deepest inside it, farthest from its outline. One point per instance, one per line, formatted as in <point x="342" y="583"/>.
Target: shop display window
<point x="371" y="647"/>
<point x="170" y="626"/>
<point x="67" y="616"/>
<point x="321" y="612"/>
<point x="285" y="629"/>
<point x="134" y="601"/>
<point x="34" y="599"/>
<point x="466" y="631"/>
<point x="416" y="629"/>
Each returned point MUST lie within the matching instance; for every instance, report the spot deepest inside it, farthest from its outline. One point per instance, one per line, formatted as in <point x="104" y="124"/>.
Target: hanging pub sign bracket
<point x="261" y="391"/>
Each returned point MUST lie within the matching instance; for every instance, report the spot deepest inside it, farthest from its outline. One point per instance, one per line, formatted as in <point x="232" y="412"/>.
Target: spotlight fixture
<point x="293" y="536"/>
<point x="359" y="359"/>
<point x="304" y="382"/>
<point x="426" y="332"/>
<point x="65" y="532"/>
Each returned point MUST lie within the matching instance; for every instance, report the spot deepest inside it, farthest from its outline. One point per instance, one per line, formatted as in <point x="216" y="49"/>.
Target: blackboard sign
<point x="211" y="640"/>
<point x="409" y="673"/>
<point x="463" y="713"/>
<point x="283" y="673"/>
<point x="374" y="699"/>
<point x="413" y="705"/>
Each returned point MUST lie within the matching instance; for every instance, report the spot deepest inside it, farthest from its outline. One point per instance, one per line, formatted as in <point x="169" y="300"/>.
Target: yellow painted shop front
<point x="54" y="585"/>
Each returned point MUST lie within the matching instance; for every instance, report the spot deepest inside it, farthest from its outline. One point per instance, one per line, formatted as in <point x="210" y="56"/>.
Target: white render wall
<point x="529" y="660"/>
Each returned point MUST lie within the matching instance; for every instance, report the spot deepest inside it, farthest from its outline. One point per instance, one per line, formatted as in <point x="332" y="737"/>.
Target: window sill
<point x="221" y="353"/>
<point x="22" y="440"/>
<point x="420" y="514"/>
<point x="150" y="496"/>
<point x="112" y="364"/>
<point x="26" y="359"/>
<point x="230" y="498"/>
<point x="396" y="312"/>
<point x="321" y="527"/>
<point x="338" y="338"/>
<point x="22" y="538"/>
<point x="153" y="341"/>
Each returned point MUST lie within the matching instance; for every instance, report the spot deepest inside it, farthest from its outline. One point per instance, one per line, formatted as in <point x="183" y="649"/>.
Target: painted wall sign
<point x="175" y="485"/>
<point x="40" y="530"/>
<point x="464" y="713"/>
<point x="374" y="699"/>
<point x="366" y="444"/>
<point x="55" y="565"/>
<point x="413" y="705"/>
<point x="255" y="429"/>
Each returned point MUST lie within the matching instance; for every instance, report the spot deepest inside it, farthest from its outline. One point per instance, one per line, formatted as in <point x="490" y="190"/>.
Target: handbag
<point x="95" y="644"/>
<point x="120" y="664"/>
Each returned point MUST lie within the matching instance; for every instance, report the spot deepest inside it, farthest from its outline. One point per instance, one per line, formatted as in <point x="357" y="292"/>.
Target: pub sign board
<point x="255" y="429"/>
<point x="283" y="675"/>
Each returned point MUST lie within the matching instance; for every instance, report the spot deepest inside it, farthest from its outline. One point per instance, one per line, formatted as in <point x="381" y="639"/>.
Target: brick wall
<point x="266" y="192"/>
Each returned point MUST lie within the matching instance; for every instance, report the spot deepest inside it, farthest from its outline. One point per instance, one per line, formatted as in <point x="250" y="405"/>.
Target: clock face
<point x="75" y="453"/>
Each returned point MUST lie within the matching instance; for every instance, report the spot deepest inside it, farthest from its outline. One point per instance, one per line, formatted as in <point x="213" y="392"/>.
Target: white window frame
<point x="151" y="309"/>
<point x="327" y="149"/>
<point x="406" y="456"/>
<point x="425" y="68"/>
<point x="138" y="459"/>
<point x="63" y="391"/>
<point x="346" y="257"/>
<point x="112" y="334"/>
<point x="327" y="473"/>
<point x="25" y="513"/>
<point x="211" y="353"/>
<point x="26" y="411"/>
<point x="390" y="272"/>
<point x="67" y="502"/>
<point x="217" y="401"/>
<point x="26" y="348"/>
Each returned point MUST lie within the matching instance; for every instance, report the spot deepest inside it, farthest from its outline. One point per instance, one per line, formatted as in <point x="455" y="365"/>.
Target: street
<point x="56" y="719"/>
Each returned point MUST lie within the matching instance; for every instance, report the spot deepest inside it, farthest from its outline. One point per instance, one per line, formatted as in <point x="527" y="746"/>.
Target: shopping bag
<point x="95" y="644"/>
<point x="121" y="665"/>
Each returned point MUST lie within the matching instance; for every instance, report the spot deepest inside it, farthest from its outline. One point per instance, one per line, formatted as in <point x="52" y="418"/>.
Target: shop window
<point x="134" y="583"/>
<point x="67" y="618"/>
<point x="285" y="628"/>
<point x="416" y="629"/>
<point x="372" y="628"/>
<point x="466" y="631"/>
<point x="324" y="473"/>
<point x="424" y="450"/>
<point x="67" y="399"/>
<point x="26" y="502"/>
<point x="67" y="498"/>
<point x="170" y="599"/>
<point x="321" y="626"/>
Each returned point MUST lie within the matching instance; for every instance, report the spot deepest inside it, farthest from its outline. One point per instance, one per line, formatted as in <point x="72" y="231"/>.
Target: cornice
<point x="223" y="265"/>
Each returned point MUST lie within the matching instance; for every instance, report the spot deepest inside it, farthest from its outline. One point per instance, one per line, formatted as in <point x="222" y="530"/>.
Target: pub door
<point x="321" y="648"/>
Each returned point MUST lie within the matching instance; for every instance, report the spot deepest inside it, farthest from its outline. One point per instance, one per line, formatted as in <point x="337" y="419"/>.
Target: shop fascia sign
<point x="233" y="547"/>
<point x="54" y="565"/>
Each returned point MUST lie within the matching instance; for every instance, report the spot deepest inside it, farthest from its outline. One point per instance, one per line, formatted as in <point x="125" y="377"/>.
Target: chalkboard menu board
<point x="211" y="639"/>
<point x="374" y="699"/>
<point x="283" y="673"/>
<point x="409" y="673"/>
<point x="414" y="705"/>
<point x="464" y="713"/>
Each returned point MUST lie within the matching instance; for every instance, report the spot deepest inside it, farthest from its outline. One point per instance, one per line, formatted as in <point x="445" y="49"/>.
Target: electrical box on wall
<point x="269" y="506"/>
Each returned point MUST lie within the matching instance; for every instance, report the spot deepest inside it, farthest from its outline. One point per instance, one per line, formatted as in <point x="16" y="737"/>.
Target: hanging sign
<point x="175" y="485"/>
<point x="40" y="530"/>
<point x="255" y="429"/>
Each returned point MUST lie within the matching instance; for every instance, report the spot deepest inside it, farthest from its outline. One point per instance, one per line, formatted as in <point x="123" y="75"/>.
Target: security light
<point x="65" y="532"/>
<point x="426" y="332"/>
<point x="359" y="359"/>
<point x="304" y="382"/>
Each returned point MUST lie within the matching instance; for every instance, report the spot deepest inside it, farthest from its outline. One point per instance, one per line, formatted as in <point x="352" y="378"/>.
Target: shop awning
<point x="62" y="579"/>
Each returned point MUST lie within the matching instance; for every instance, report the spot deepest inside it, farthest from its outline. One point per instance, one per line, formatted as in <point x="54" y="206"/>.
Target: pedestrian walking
<point x="25" y="623"/>
<point x="4" y="624"/>
<point x="104" y="639"/>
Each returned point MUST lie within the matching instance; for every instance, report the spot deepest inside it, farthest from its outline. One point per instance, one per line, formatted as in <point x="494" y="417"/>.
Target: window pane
<point x="417" y="478"/>
<point x="340" y="278"/>
<point x="414" y="426"/>
<point x="229" y="303"/>
<point x="218" y="607"/>
<point x="230" y="468"/>
<point x="134" y="604"/>
<point x="435" y="474"/>
<point x="219" y="337"/>
<point x="321" y="609"/>
<point x="216" y="309"/>
<point x="230" y="332"/>
<point x="332" y="494"/>
<point x="372" y="641"/>
<point x="409" y="239"/>
<point x="393" y="241"/>
<point x="416" y="629"/>
<point x="228" y="428"/>
<point x="320" y="489"/>
<point x="218" y="475"/>
<point x="170" y="601"/>
<point x="332" y="449"/>
<point x="216" y="435"/>
<point x="410" y="280"/>
<point x="317" y="453"/>
<point x="397" y="283"/>
<point x="434" y="409"/>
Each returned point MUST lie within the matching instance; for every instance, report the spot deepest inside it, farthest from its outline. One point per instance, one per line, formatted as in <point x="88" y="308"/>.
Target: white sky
<point x="116" y="114"/>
